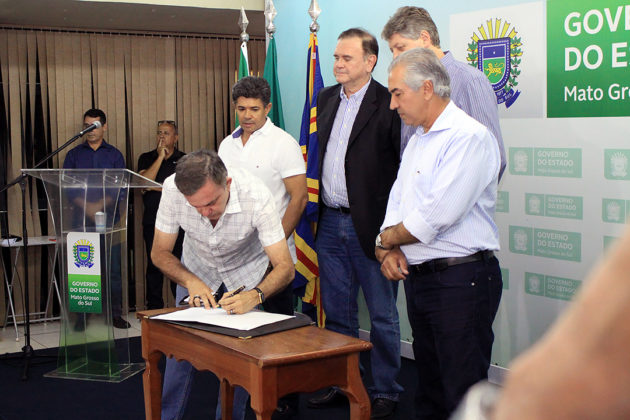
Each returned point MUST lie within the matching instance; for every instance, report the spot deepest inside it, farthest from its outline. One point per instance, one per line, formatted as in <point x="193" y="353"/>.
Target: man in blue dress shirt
<point x="439" y="234"/>
<point x="359" y="149"/>
<point x="96" y="153"/>
<point x="413" y="27"/>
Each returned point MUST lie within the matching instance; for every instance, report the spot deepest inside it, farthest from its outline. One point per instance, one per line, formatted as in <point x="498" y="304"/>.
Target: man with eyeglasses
<point x="157" y="165"/>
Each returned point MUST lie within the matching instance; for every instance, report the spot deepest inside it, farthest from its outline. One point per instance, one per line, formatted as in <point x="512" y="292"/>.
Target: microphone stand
<point x="27" y="350"/>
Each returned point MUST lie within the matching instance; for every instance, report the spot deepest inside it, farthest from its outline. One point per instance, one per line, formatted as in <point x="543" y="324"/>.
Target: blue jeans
<point x="178" y="378"/>
<point x="343" y="267"/>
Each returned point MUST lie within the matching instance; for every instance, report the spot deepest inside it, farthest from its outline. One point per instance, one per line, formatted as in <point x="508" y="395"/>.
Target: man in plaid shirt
<point x="233" y="231"/>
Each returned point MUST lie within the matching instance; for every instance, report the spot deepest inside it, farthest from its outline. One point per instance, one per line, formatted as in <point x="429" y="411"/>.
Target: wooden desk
<point x="300" y="360"/>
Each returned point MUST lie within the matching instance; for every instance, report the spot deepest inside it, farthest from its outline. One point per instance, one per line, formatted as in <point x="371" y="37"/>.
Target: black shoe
<point x="332" y="397"/>
<point x="284" y="412"/>
<point x="382" y="407"/>
<point x="119" y="322"/>
<point x="80" y="323"/>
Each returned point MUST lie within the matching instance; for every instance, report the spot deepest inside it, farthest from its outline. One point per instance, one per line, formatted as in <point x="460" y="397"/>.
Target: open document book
<point x="217" y="316"/>
<point x="251" y="324"/>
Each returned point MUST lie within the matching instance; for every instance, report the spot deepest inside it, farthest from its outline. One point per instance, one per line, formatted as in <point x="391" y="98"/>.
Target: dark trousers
<point x="154" y="277"/>
<point x="282" y="303"/>
<point x="451" y="314"/>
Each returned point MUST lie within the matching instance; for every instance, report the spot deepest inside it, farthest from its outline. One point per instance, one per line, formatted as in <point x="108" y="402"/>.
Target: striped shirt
<point x="446" y="189"/>
<point x="232" y="251"/>
<point x="472" y="92"/>
<point x="335" y="192"/>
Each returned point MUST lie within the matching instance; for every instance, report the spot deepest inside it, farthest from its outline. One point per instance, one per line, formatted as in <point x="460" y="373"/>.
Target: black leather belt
<point x="344" y="210"/>
<point x="440" y="264"/>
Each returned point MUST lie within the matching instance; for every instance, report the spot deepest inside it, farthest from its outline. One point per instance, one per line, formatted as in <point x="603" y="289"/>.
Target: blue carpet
<point x="41" y="398"/>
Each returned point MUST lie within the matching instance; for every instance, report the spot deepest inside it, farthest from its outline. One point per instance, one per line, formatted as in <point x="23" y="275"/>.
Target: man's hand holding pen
<point x="239" y="303"/>
<point x="232" y="302"/>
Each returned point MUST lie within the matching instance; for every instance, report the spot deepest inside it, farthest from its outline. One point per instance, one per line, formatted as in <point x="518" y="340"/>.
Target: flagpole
<point x="271" y="67"/>
<point x="307" y="268"/>
<point x="270" y="28"/>
<point x="243" y="22"/>
<point x="243" y="64"/>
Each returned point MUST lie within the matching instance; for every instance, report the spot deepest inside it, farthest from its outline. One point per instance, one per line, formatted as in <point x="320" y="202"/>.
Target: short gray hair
<point x="409" y="22"/>
<point x="195" y="169"/>
<point x="422" y="64"/>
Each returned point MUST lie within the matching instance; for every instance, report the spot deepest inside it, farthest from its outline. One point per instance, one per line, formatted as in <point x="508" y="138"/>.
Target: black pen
<point x="237" y="291"/>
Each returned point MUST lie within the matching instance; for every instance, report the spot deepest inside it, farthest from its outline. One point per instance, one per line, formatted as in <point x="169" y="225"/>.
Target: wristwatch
<point x="261" y="295"/>
<point x="379" y="243"/>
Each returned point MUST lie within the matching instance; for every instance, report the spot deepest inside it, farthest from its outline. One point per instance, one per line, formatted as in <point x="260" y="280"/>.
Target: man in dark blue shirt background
<point x="96" y="153"/>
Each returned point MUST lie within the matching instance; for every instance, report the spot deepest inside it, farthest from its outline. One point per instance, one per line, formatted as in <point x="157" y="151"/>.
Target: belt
<point x="344" y="210"/>
<point x="440" y="264"/>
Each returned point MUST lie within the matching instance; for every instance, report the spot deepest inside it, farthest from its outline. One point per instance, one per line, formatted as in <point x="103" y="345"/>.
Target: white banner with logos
<point x="564" y="196"/>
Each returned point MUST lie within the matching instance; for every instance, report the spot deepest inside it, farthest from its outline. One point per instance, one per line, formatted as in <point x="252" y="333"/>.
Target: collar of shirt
<point x="444" y="121"/>
<point x="233" y="205"/>
<point x="236" y="134"/>
<point x="103" y="145"/>
<point x="447" y="58"/>
<point x="358" y="95"/>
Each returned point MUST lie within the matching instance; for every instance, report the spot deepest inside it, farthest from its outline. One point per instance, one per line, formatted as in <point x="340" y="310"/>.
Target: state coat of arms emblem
<point x="83" y="253"/>
<point x="496" y="50"/>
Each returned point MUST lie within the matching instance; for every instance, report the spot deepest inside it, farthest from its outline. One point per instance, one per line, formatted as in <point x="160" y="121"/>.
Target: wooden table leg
<point x="264" y="396"/>
<point x="355" y="391"/>
<point x="227" y="399"/>
<point x="152" y="384"/>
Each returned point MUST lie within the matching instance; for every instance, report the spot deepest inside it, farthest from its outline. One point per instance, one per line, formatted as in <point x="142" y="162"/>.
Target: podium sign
<point x="84" y="272"/>
<point x="89" y="214"/>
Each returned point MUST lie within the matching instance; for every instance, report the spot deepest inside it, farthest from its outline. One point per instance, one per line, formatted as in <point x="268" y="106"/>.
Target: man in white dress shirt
<point x="439" y="234"/>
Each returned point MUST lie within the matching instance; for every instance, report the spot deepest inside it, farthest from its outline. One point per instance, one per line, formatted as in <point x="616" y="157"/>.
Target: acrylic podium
<point x="89" y="212"/>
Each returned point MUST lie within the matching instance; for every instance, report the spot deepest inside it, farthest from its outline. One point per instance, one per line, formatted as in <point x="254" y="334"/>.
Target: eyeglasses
<point x="170" y="122"/>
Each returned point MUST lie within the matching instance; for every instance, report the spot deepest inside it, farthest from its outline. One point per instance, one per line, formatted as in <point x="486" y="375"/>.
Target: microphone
<point x="96" y="124"/>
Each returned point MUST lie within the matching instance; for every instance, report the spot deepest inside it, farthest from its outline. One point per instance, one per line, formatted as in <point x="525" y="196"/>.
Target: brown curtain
<point x="49" y="78"/>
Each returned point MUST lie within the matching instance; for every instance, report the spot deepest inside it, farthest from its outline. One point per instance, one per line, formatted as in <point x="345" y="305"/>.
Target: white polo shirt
<point x="270" y="154"/>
